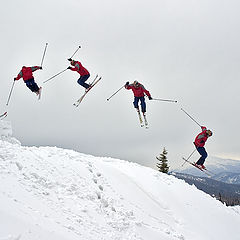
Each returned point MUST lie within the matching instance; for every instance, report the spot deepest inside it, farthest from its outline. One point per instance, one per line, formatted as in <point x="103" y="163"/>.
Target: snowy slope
<point x="57" y="194"/>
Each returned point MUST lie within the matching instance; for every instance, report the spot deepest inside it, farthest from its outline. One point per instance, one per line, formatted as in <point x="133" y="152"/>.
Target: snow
<point x="6" y="132"/>
<point x="60" y="194"/>
<point x="5" y="128"/>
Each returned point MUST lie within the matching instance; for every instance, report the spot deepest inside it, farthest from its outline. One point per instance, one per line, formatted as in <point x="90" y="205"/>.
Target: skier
<point x="138" y="91"/>
<point x="199" y="143"/>
<point x="26" y="74"/>
<point x="84" y="74"/>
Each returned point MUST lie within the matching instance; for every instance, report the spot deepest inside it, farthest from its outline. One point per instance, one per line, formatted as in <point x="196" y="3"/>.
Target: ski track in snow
<point x="64" y="186"/>
<point x="159" y="224"/>
<point x="61" y="194"/>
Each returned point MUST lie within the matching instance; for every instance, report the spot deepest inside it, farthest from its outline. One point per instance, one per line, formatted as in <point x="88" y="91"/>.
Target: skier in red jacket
<point x="138" y="91"/>
<point x="84" y="74"/>
<point x="199" y="143"/>
<point x="26" y="74"/>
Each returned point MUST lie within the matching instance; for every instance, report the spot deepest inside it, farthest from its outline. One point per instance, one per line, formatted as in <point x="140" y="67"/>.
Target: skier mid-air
<point x="199" y="143"/>
<point x="84" y="74"/>
<point x="26" y="74"/>
<point x="139" y="91"/>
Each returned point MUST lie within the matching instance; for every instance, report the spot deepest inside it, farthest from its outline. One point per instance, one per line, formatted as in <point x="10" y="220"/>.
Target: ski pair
<point x="39" y="93"/>
<point x="142" y="123"/>
<point x="196" y="166"/>
<point x="94" y="82"/>
<point x="2" y="116"/>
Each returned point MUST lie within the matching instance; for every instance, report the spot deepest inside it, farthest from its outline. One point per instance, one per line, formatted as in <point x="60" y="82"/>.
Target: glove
<point x="40" y="67"/>
<point x="149" y="97"/>
<point x="70" y="59"/>
<point x="15" y="79"/>
<point x="69" y="68"/>
<point x="127" y="83"/>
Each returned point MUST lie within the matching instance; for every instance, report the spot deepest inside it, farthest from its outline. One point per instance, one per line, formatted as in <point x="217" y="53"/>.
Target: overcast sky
<point x="184" y="50"/>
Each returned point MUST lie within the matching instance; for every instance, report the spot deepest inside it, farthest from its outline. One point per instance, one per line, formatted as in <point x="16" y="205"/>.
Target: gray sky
<point x="184" y="50"/>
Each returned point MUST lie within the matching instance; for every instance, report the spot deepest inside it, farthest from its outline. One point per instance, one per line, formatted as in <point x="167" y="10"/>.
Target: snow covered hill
<point x="58" y="194"/>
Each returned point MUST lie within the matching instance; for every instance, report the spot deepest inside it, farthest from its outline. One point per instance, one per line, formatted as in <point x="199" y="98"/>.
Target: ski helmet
<point x="136" y="83"/>
<point x="209" y="132"/>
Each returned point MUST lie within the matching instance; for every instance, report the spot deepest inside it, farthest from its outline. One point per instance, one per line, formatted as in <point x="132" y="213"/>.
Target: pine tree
<point x="162" y="165"/>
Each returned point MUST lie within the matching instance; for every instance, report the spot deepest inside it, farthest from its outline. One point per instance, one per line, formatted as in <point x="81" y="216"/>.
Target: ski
<point x="145" y="120"/>
<point x="76" y="104"/>
<point x="94" y="82"/>
<point x="201" y="169"/>
<point x="140" y="118"/>
<point x="2" y="116"/>
<point x="39" y="93"/>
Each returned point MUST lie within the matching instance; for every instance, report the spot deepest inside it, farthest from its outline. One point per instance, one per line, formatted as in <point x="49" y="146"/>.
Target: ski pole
<point x="2" y="116"/>
<point x="75" y="52"/>
<point x="10" y="93"/>
<point x="189" y="156"/>
<point x="165" y="100"/>
<point x="55" y="75"/>
<point x="191" y="117"/>
<point x="115" y="93"/>
<point x="44" y="54"/>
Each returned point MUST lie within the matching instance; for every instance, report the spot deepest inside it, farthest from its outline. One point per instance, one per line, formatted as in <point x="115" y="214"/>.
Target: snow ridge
<point x="58" y="194"/>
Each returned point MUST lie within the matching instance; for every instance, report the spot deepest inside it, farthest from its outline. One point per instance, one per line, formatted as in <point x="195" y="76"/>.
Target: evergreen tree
<point x="162" y="165"/>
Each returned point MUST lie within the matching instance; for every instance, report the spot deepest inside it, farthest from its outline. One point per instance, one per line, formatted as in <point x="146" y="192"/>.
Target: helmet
<point x="72" y="62"/>
<point x="209" y="132"/>
<point x="136" y="83"/>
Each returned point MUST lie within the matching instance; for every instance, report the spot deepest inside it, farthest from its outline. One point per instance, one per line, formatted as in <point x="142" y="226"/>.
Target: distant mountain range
<point x="225" y="170"/>
<point x="228" y="177"/>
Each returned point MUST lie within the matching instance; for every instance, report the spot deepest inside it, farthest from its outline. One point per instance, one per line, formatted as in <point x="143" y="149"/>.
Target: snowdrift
<point x="58" y="194"/>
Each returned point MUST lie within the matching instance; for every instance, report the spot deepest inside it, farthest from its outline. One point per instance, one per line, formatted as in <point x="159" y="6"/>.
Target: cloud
<point x="186" y="51"/>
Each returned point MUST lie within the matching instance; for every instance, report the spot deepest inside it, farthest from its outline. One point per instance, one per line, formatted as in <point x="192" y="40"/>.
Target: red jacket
<point x="79" y="68"/>
<point x="138" y="91"/>
<point x="201" y="138"/>
<point x="26" y="73"/>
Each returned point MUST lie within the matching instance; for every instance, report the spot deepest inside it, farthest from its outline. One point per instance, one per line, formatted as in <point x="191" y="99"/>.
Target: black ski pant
<point x="32" y="85"/>
<point x="143" y="103"/>
<point x="82" y="81"/>
<point x="203" y="154"/>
